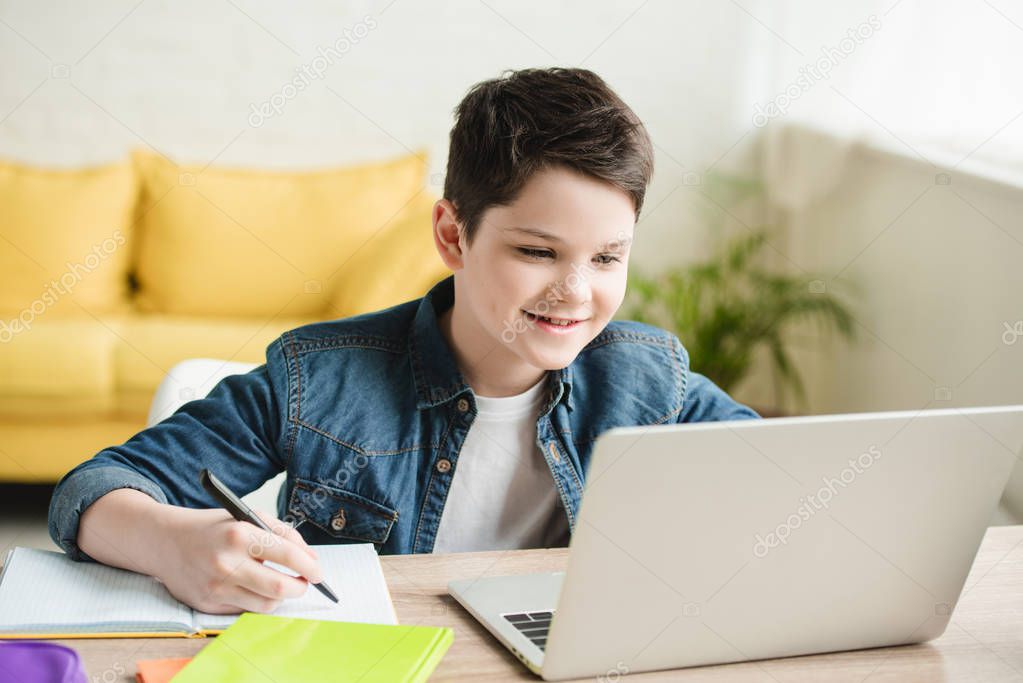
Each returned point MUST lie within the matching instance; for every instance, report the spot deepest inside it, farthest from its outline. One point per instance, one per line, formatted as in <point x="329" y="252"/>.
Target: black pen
<point x="243" y="513"/>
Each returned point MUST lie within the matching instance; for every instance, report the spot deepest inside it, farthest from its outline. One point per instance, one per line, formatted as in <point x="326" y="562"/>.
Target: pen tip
<point x="323" y="588"/>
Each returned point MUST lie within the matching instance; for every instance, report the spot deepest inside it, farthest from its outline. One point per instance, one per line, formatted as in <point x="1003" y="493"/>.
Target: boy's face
<point x="512" y="273"/>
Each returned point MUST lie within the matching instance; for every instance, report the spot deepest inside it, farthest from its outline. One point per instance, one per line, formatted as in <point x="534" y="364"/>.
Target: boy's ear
<point x="447" y="234"/>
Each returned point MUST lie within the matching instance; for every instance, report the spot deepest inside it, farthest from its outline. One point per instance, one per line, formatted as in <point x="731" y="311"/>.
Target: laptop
<point x="719" y="542"/>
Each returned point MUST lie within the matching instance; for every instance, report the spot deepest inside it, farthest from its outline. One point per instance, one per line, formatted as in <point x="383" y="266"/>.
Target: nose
<point x="574" y="292"/>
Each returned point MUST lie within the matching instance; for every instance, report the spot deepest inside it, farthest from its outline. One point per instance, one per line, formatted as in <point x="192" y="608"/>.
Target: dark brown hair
<point x="508" y="128"/>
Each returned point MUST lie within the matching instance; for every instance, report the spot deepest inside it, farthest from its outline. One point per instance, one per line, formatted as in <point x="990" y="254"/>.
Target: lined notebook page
<point x="45" y="591"/>
<point x="353" y="572"/>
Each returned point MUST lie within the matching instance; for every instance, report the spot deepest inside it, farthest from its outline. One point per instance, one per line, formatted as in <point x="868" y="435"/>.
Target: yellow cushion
<point x="152" y="344"/>
<point x="397" y="264"/>
<point x="63" y="237"/>
<point x="62" y="366"/>
<point x="75" y="367"/>
<point x="216" y="241"/>
<point x="44" y="449"/>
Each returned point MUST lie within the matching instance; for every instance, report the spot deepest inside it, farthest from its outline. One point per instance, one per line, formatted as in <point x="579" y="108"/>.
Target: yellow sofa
<point x="111" y="275"/>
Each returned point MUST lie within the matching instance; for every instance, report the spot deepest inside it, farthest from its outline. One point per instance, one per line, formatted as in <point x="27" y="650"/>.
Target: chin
<point x="550" y="361"/>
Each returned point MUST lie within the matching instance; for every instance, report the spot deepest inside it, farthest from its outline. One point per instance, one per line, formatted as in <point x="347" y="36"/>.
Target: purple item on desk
<point x="36" y="662"/>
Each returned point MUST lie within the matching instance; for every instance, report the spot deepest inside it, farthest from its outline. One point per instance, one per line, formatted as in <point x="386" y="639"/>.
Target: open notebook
<point x="44" y="594"/>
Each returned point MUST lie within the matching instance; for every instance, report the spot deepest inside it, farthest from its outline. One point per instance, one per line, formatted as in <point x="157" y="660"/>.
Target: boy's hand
<point x="214" y="563"/>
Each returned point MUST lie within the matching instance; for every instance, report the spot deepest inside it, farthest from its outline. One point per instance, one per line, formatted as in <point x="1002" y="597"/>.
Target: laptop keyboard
<point x="533" y="625"/>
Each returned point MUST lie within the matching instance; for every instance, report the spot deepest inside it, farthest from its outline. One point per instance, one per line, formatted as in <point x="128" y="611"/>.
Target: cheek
<point x="513" y="282"/>
<point x="503" y="288"/>
<point x="611" y="295"/>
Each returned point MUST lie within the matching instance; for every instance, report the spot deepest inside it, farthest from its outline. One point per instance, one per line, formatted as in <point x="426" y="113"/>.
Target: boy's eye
<point x="602" y="259"/>
<point x="535" y="253"/>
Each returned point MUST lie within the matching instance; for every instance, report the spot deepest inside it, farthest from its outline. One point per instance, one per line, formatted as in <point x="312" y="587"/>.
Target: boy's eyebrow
<point x="554" y="238"/>
<point x="536" y="233"/>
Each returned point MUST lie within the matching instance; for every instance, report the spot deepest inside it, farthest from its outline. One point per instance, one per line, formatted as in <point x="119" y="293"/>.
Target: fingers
<point x="268" y="583"/>
<point x="240" y="599"/>
<point x="240" y="565"/>
<point x="295" y="558"/>
<point x="239" y="580"/>
<point x="277" y="548"/>
<point x="285" y="530"/>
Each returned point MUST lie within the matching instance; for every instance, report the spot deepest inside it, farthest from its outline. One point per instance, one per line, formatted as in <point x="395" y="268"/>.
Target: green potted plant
<point x="732" y="305"/>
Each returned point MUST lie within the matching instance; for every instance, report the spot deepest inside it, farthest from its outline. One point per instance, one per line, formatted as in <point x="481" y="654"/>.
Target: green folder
<point x="262" y="647"/>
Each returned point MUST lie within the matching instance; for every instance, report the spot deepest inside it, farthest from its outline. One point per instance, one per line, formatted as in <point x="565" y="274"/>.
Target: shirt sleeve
<point x="705" y="401"/>
<point x="236" y="431"/>
<point x="702" y="400"/>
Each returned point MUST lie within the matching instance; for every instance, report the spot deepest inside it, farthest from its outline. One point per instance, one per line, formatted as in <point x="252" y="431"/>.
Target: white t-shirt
<point x="502" y="495"/>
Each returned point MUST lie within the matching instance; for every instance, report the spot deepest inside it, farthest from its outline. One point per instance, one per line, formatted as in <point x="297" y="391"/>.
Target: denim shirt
<point x="368" y="414"/>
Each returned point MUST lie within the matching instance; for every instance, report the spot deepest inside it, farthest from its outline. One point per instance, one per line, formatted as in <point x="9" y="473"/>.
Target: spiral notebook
<point x="45" y="594"/>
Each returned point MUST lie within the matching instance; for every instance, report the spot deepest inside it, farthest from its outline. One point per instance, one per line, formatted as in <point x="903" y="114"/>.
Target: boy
<point x="464" y="420"/>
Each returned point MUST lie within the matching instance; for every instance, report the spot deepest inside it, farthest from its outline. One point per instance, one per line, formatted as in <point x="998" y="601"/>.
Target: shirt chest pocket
<point x="339" y="515"/>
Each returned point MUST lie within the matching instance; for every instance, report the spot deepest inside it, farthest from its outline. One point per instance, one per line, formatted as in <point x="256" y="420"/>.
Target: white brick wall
<point x="181" y="77"/>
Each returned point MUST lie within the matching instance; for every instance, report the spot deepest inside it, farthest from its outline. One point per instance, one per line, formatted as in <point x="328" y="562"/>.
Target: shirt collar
<point x="434" y="372"/>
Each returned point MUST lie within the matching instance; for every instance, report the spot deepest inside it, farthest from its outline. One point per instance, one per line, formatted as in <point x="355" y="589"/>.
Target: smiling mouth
<point x="554" y="321"/>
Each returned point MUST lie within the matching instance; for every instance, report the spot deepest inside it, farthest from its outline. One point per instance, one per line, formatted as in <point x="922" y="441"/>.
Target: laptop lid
<point x="715" y="542"/>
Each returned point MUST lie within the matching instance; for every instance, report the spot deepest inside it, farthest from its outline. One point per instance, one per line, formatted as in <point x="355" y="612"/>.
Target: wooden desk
<point x="984" y="642"/>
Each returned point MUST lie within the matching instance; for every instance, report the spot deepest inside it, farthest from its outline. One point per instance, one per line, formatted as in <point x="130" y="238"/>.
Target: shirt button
<point x="554" y="452"/>
<point x="337" y="522"/>
<point x="443" y="465"/>
<point x="463" y="405"/>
